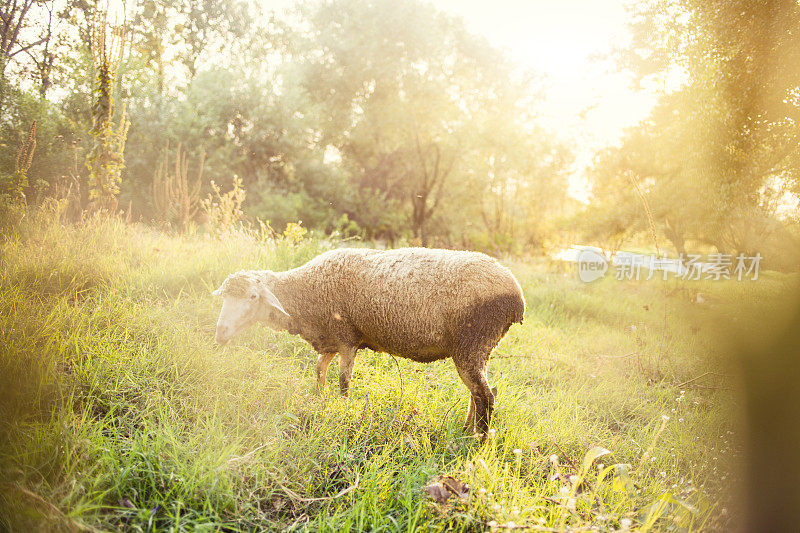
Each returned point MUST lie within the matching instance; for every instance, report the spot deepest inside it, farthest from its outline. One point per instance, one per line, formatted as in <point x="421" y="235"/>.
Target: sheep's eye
<point x="253" y="296"/>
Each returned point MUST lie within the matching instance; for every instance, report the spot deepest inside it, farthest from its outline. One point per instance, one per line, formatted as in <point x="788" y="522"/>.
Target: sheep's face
<point x="237" y="314"/>
<point x="245" y="300"/>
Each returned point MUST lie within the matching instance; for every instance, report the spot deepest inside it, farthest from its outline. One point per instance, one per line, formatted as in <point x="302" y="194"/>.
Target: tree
<point x="107" y="159"/>
<point x="15" y="19"/>
<point x="406" y="92"/>
<point x="205" y="23"/>
<point x="715" y="153"/>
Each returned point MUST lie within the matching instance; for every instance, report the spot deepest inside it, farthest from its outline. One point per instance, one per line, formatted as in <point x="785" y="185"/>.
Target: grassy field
<point x="119" y="412"/>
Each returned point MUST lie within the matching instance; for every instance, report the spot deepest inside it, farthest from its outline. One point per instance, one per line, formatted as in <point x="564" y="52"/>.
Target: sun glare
<point x="565" y="41"/>
<point x="591" y="208"/>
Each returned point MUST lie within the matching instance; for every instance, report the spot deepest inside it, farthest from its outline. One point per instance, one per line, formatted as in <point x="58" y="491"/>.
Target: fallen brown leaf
<point x="441" y="488"/>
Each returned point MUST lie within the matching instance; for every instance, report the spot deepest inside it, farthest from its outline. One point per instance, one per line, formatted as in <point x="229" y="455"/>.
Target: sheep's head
<point x="246" y="298"/>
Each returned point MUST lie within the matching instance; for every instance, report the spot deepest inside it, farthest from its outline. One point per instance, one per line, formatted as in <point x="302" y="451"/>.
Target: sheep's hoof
<point x="471" y="434"/>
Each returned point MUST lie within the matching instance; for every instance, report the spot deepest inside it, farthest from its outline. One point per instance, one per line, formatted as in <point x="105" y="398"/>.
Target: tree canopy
<point x="392" y="121"/>
<point x="385" y="119"/>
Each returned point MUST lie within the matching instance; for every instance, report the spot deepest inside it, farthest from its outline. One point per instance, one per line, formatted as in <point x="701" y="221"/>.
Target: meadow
<point x="615" y="404"/>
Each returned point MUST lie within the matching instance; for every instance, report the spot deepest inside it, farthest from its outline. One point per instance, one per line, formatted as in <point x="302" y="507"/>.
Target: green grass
<point x="117" y="411"/>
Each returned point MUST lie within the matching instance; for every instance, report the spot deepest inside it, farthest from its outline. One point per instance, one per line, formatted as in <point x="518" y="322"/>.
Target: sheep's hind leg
<point x="469" y="423"/>
<point x="482" y="395"/>
<point x="347" y="358"/>
<point x="484" y="405"/>
<point x="323" y="361"/>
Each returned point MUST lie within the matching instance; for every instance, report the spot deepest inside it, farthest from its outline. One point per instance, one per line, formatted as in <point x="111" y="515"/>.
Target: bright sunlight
<point x="399" y="265"/>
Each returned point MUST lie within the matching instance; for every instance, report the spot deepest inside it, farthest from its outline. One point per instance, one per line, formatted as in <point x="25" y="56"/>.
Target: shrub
<point x="224" y="211"/>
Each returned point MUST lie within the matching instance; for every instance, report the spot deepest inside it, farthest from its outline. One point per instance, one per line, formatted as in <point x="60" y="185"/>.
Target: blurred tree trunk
<point x="427" y="193"/>
<point x="769" y="369"/>
<point x="675" y="236"/>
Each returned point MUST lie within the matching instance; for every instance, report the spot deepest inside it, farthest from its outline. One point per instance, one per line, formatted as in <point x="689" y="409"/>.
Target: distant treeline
<point x="390" y="121"/>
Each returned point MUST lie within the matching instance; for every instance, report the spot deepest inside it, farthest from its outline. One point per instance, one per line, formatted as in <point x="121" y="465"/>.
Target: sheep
<point x="418" y="303"/>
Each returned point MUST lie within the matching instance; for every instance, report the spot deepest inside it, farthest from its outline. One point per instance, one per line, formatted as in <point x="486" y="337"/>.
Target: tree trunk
<point x="676" y="238"/>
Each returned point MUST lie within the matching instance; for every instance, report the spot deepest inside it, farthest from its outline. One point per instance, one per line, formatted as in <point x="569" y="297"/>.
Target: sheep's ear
<point x="272" y="300"/>
<point x="217" y="292"/>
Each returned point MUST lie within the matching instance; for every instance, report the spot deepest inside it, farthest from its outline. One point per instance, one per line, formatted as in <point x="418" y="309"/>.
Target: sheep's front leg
<point x="323" y="361"/>
<point x="347" y="358"/>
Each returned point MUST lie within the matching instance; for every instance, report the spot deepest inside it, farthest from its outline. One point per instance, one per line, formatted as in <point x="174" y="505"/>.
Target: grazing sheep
<point x="417" y="303"/>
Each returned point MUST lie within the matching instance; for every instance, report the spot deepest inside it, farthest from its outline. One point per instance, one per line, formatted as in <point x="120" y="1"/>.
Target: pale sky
<point x="558" y="38"/>
<point x="587" y="101"/>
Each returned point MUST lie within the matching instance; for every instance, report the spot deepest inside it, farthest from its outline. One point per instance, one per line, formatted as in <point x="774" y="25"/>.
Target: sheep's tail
<point x="514" y="300"/>
<point x="518" y="309"/>
<point x="513" y="306"/>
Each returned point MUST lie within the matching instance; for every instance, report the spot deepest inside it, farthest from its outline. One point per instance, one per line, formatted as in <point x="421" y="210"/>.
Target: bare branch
<point x="28" y="46"/>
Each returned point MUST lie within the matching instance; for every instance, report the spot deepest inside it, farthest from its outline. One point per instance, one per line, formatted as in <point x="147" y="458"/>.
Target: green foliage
<point x="105" y="163"/>
<point x="386" y="121"/>
<point x="14" y="185"/>
<point x="396" y="117"/>
<point x="49" y="170"/>
<point x="422" y="112"/>
<point x="294" y="233"/>
<point x="282" y="207"/>
<point x="429" y="137"/>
